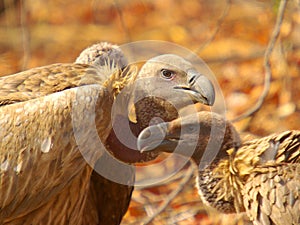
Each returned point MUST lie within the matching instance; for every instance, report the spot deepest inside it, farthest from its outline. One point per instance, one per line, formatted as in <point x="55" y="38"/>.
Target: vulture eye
<point x="167" y="74"/>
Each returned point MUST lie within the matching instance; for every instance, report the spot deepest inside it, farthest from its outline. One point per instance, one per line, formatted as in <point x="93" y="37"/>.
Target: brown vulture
<point x="55" y="118"/>
<point x="260" y="177"/>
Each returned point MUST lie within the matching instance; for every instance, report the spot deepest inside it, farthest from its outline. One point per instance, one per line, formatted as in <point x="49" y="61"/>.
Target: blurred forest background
<point x="231" y="36"/>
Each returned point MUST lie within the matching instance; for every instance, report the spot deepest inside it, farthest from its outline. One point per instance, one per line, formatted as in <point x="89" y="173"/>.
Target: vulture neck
<point x="148" y="110"/>
<point x="216" y="134"/>
<point x="153" y="110"/>
<point x="120" y="150"/>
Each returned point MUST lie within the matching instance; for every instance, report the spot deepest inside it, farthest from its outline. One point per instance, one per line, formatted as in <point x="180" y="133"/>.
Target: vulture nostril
<point x="146" y="135"/>
<point x="192" y="79"/>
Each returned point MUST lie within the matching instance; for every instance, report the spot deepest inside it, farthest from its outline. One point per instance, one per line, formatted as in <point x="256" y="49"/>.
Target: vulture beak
<point x="199" y="88"/>
<point x="157" y="138"/>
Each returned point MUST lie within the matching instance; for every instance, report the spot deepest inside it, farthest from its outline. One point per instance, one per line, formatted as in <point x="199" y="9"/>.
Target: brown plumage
<point x="42" y="81"/>
<point x="43" y="176"/>
<point x="41" y="165"/>
<point x="272" y="194"/>
<point x="260" y="176"/>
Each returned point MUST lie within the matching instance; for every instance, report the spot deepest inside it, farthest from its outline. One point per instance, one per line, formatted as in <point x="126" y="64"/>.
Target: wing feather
<point x="278" y="203"/>
<point x="42" y="81"/>
<point x="39" y="150"/>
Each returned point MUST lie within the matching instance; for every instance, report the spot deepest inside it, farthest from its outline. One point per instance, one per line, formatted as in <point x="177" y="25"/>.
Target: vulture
<point x="57" y="127"/>
<point x="260" y="177"/>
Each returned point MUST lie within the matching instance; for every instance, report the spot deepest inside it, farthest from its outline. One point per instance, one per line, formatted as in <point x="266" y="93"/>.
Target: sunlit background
<point x="230" y="36"/>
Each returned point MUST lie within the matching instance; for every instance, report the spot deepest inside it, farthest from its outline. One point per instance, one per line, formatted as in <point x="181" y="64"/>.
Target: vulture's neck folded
<point x="122" y="140"/>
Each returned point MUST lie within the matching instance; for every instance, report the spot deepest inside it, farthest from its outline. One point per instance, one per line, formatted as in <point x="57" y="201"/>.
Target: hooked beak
<point x="156" y="138"/>
<point x="199" y="87"/>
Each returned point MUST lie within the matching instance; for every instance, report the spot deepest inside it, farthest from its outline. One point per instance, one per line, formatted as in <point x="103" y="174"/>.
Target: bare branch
<point x="188" y="175"/>
<point x="217" y="29"/>
<point x="268" y="72"/>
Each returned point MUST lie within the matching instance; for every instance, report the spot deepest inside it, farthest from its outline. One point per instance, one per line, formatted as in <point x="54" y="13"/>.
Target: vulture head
<point x="163" y="85"/>
<point x="191" y="135"/>
<point x="184" y="77"/>
<point x="169" y="82"/>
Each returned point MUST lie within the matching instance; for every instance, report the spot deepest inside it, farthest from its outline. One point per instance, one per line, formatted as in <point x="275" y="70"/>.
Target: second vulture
<point x="260" y="177"/>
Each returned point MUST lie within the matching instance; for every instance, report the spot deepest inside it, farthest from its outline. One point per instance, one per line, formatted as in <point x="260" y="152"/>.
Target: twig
<point x="268" y="72"/>
<point x="217" y="29"/>
<point x="175" y="219"/>
<point x="172" y="195"/>
<point x="25" y="34"/>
